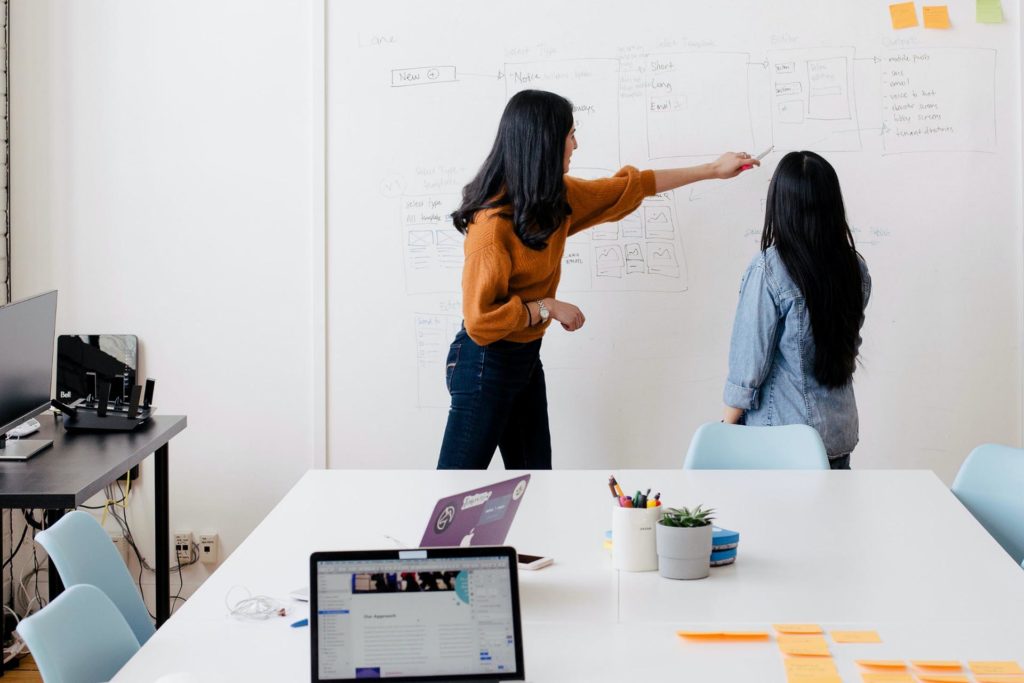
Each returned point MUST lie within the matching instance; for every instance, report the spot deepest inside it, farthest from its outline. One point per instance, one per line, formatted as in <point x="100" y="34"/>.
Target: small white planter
<point x="684" y="552"/>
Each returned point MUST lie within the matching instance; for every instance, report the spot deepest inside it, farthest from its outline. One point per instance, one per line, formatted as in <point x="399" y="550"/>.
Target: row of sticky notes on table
<point x="808" y="658"/>
<point x="904" y="14"/>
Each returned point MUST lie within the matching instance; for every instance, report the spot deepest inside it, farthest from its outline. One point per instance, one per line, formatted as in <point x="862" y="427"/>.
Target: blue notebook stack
<point x="723" y="546"/>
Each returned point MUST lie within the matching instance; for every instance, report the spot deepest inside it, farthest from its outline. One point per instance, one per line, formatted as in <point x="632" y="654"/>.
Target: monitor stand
<point x="21" y="449"/>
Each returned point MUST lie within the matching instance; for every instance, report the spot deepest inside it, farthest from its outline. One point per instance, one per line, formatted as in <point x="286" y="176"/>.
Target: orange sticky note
<point x="882" y="663"/>
<point x="886" y="677"/>
<point x="997" y="678"/>
<point x="936" y="16"/>
<point x="724" y="635"/>
<point x="797" y="628"/>
<point x="855" y="636"/>
<point x="936" y="664"/>
<point x="811" y="670"/>
<point x="904" y="15"/>
<point x="803" y="644"/>
<point x="1006" y="667"/>
<point x="942" y="678"/>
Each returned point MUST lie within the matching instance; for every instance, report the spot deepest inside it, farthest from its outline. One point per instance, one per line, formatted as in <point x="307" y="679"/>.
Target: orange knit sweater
<point x="501" y="273"/>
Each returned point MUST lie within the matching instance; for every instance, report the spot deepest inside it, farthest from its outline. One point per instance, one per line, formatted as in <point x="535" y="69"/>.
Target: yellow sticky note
<point x="997" y="678"/>
<point x="811" y="670"/>
<point x="855" y="636"/>
<point x="882" y="663"/>
<point x="988" y="12"/>
<point x="936" y="16"/>
<point x="942" y="678"/>
<point x="886" y="677"/>
<point x="995" y="668"/>
<point x="803" y="644"/>
<point x="936" y="664"/>
<point x="724" y="635"/>
<point x="904" y="15"/>
<point x="797" y="628"/>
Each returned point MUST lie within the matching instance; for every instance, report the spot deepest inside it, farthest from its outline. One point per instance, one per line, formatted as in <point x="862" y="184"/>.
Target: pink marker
<point x="760" y="156"/>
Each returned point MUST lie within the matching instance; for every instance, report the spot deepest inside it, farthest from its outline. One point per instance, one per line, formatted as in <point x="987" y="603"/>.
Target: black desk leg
<point x="163" y="539"/>
<point x="56" y="586"/>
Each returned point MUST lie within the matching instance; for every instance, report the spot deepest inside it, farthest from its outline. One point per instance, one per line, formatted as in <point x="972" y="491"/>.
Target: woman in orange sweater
<point x="516" y="214"/>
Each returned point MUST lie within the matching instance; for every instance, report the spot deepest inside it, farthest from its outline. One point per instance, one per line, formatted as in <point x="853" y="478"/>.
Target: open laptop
<point x="481" y="516"/>
<point x="431" y="614"/>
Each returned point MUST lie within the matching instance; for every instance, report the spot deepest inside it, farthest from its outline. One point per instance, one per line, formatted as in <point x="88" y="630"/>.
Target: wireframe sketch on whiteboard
<point x="812" y="103"/>
<point x="939" y="100"/>
<point x="434" y="334"/>
<point x="432" y="245"/>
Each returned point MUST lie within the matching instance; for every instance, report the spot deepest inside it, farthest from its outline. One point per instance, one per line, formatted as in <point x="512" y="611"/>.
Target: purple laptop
<point x="478" y="517"/>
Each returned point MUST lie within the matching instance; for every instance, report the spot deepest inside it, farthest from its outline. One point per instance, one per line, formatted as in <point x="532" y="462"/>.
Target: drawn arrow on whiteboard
<point x="876" y="60"/>
<point x="763" y="65"/>
<point x="497" y="76"/>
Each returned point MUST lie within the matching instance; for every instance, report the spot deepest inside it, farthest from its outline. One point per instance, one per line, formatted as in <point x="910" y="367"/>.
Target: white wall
<point x="163" y="182"/>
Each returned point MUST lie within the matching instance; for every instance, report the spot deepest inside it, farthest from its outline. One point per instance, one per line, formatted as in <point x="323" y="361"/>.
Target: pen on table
<point x="300" y="623"/>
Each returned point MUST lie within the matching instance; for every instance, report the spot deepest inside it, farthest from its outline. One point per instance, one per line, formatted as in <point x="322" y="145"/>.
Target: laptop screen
<point x="415" y="615"/>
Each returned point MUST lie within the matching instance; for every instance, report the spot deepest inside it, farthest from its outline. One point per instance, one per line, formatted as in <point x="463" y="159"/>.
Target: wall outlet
<point x="183" y="546"/>
<point x="121" y="545"/>
<point x="208" y="547"/>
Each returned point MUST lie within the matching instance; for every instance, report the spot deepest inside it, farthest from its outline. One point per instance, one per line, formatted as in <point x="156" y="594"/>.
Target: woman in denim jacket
<point x="796" y="335"/>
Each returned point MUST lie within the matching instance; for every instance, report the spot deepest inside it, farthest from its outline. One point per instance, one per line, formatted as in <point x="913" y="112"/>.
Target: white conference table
<point x="888" y="550"/>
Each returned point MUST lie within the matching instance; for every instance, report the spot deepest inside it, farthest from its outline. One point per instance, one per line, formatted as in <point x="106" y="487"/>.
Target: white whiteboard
<point x="923" y="127"/>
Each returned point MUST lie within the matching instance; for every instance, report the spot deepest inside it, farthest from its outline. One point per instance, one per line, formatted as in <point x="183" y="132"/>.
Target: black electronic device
<point x="105" y="415"/>
<point x="27" y="329"/>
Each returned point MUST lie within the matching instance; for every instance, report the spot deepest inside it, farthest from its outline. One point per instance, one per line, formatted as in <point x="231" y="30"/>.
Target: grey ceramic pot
<point x="684" y="552"/>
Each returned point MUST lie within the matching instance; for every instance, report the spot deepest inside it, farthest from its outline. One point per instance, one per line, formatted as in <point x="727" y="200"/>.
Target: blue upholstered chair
<point x="80" y="637"/>
<point x="990" y="484"/>
<point x="82" y="552"/>
<point x="720" y="446"/>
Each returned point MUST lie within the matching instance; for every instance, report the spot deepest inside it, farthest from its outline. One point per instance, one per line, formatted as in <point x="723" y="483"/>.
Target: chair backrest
<point x="990" y="484"/>
<point x="80" y="637"/>
<point x="83" y="553"/>
<point x="720" y="446"/>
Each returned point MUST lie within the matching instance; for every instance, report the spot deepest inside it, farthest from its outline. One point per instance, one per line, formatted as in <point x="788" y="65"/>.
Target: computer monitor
<point x="27" y="332"/>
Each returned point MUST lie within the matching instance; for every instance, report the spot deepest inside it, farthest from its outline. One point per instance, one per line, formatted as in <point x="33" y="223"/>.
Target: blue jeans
<point x="499" y="400"/>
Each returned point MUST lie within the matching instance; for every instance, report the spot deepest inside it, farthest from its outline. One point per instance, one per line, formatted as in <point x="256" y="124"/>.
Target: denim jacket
<point x="771" y="359"/>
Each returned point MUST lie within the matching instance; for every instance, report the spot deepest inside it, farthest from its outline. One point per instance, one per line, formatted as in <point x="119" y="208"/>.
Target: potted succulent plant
<point x="684" y="543"/>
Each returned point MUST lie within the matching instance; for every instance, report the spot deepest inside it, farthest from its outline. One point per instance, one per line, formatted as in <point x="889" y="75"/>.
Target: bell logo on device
<point x="444" y="519"/>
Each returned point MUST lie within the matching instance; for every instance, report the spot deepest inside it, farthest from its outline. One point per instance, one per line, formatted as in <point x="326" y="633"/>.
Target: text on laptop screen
<point x="415" y="617"/>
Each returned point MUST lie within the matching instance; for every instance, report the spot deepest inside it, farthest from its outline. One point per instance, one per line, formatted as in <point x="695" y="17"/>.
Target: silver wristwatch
<point x="543" y="310"/>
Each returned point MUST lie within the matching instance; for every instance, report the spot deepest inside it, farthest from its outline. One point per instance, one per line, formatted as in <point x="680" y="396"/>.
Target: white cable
<point x="253" y="606"/>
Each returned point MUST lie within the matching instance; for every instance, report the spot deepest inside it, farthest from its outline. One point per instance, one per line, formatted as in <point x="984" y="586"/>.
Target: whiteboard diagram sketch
<point x="433" y="248"/>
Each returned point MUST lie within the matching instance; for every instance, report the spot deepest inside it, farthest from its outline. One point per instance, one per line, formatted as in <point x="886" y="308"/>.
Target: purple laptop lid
<point x="478" y="517"/>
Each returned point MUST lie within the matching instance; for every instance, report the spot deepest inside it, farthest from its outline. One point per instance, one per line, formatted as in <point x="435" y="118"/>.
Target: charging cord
<point x="253" y="607"/>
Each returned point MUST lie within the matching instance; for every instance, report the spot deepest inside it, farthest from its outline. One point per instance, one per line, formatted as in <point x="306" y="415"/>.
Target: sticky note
<point x="882" y="663"/>
<point x="988" y="12"/>
<point x="935" y="664"/>
<point x="997" y="678"/>
<point x="803" y="644"/>
<point x="936" y="16"/>
<point x="797" y="628"/>
<point x="995" y="668"/>
<point x="724" y="635"/>
<point x="904" y="15"/>
<point x="942" y="678"/>
<point x="807" y="667"/>
<point x="886" y="677"/>
<point x="855" y="636"/>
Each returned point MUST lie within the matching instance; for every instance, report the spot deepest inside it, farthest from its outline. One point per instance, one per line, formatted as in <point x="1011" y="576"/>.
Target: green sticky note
<point x="989" y="12"/>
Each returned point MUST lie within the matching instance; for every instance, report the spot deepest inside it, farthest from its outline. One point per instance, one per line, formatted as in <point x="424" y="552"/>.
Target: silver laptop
<point x="430" y="614"/>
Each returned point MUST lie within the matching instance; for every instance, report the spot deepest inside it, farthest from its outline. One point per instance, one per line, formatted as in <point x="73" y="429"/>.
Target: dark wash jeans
<point x="499" y="400"/>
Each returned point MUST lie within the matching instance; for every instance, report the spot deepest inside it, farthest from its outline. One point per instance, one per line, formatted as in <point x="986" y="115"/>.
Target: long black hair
<point x="806" y="222"/>
<point x="523" y="173"/>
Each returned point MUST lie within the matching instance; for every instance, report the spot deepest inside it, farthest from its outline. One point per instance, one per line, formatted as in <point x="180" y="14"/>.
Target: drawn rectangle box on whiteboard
<point x="697" y="104"/>
<point x="939" y="100"/>
<point x="432" y="247"/>
<point x="422" y="75"/>
<point x="592" y="85"/>
<point x="434" y="334"/>
<point x="812" y="99"/>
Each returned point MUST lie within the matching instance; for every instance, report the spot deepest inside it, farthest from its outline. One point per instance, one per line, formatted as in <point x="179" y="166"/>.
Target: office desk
<point x="887" y="550"/>
<point x="78" y="465"/>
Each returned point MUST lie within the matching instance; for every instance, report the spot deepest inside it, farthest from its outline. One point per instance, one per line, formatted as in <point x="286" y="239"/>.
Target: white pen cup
<point x="634" y="544"/>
